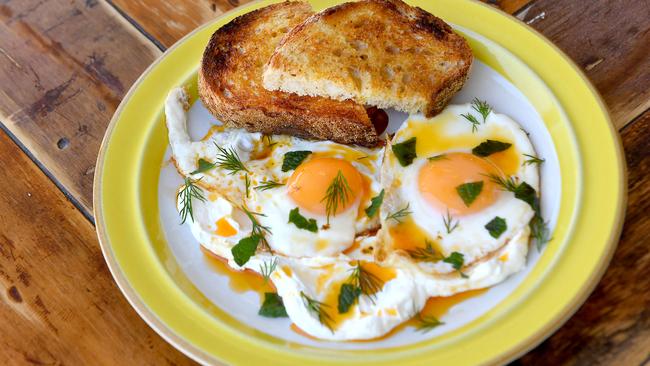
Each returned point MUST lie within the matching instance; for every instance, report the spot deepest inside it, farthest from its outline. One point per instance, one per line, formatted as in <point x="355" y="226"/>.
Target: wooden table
<point x="65" y="66"/>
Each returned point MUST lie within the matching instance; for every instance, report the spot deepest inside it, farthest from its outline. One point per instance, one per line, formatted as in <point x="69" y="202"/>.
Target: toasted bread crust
<point x="230" y="83"/>
<point x="378" y="52"/>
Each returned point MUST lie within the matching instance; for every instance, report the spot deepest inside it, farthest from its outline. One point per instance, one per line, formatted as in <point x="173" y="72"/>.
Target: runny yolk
<point x="439" y="179"/>
<point x="224" y="228"/>
<point x="308" y="184"/>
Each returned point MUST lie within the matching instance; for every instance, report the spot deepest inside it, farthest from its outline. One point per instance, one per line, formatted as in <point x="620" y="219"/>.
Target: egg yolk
<point x="308" y="184"/>
<point x="438" y="181"/>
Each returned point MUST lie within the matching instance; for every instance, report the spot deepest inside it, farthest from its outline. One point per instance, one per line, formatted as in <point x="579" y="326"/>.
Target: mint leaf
<point x="294" y="158"/>
<point x="273" y="307"/>
<point x="496" y="227"/>
<point x="302" y="222"/>
<point x="469" y="191"/>
<point x="405" y="151"/>
<point x="245" y="249"/>
<point x="375" y="203"/>
<point x="489" y="147"/>
<point x="348" y="296"/>
<point x="204" y="166"/>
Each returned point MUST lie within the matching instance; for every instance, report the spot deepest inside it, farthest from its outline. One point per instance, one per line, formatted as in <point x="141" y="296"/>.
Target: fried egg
<point x="316" y="249"/>
<point x="245" y="171"/>
<point x="446" y="199"/>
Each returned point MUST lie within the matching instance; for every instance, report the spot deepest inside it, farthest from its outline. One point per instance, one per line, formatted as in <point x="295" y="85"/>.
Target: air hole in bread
<point x="337" y="53"/>
<point x="363" y="57"/>
<point x="359" y="45"/>
<point x="392" y="49"/>
<point x="388" y="71"/>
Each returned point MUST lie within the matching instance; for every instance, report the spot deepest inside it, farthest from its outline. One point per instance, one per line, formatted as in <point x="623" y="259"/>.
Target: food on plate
<point x="383" y="53"/>
<point x="230" y="83"/>
<point x="355" y="238"/>
<point x="457" y="195"/>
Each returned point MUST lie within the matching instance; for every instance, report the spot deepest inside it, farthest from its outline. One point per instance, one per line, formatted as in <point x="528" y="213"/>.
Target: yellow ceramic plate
<point x="588" y="181"/>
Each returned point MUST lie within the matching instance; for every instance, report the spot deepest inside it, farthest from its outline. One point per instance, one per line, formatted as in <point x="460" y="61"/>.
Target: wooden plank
<point x="613" y="326"/>
<point x="609" y="41"/>
<point x="59" y="304"/>
<point x="64" y="67"/>
<point x="182" y="17"/>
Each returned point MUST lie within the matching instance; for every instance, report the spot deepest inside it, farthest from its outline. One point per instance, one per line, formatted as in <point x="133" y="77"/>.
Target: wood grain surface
<point x="66" y="64"/>
<point x="64" y="67"/>
<point x="613" y="326"/>
<point x="609" y="41"/>
<point x="59" y="304"/>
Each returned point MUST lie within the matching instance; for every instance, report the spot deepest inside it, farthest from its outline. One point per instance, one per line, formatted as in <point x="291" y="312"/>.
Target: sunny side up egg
<point x="452" y="205"/>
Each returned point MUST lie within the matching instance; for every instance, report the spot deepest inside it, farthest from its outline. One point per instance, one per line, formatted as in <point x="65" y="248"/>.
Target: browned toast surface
<point x="383" y="53"/>
<point x="230" y="83"/>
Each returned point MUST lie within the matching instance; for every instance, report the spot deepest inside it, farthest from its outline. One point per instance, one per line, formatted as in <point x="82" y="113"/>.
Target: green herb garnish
<point x="470" y="117"/>
<point x="294" y="158"/>
<point x="400" y="214"/>
<point x="229" y="160"/>
<point x="185" y="195"/>
<point x="496" y="227"/>
<point x="426" y="323"/>
<point x="426" y="254"/>
<point x="540" y="231"/>
<point x="257" y="228"/>
<point x="450" y="225"/>
<point x="481" y="107"/>
<point x="273" y="307"/>
<point x="317" y="308"/>
<point x="267" y="269"/>
<point x="469" y="191"/>
<point x="247" y="182"/>
<point x="302" y="222"/>
<point x="204" y="166"/>
<point x="405" y="151"/>
<point x="489" y="147"/>
<point x="338" y="193"/>
<point x="533" y="160"/>
<point x="456" y="260"/>
<point x="375" y="203"/>
<point x="245" y="249"/>
<point x="360" y="282"/>
<point x="269" y="184"/>
<point x="347" y="297"/>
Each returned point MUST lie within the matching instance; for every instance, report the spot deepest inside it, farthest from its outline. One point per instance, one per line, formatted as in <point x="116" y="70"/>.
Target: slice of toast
<point x="230" y="83"/>
<point x="383" y="53"/>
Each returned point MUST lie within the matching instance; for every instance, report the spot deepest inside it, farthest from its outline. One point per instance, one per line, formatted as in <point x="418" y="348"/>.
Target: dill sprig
<point x="532" y="159"/>
<point x="317" y="308"/>
<point x="366" y="281"/>
<point x="507" y="183"/>
<point x="426" y="254"/>
<point x="267" y="268"/>
<point x="257" y="228"/>
<point x="481" y="107"/>
<point x="470" y="117"/>
<point x="247" y="182"/>
<point x="269" y="184"/>
<point x="450" y="225"/>
<point x="540" y="231"/>
<point x="338" y="193"/>
<point x="426" y="323"/>
<point x="400" y="214"/>
<point x="189" y="191"/>
<point x="228" y="159"/>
